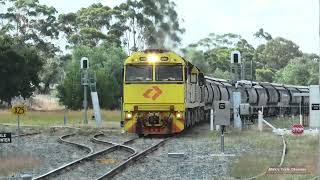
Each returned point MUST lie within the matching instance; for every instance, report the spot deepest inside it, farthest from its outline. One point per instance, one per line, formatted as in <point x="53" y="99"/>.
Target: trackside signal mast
<point x="84" y="65"/>
<point x="89" y="79"/>
<point x="236" y="70"/>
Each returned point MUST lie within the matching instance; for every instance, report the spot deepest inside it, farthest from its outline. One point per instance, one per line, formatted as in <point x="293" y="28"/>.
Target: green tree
<point x="218" y="73"/>
<point x="52" y="73"/>
<point x="20" y="66"/>
<point x="276" y="53"/>
<point x="228" y="40"/>
<point x="263" y="35"/>
<point x="148" y="23"/>
<point x="133" y="24"/>
<point x="264" y="75"/>
<point x="85" y="27"/>
<point x="196" y="57"/>
<point x="299" y="71"/>
<point x="33" y="23"/>
<point x="106" y="62"/>
<point x="218" y="58"/>
<point x="214" y="54"/>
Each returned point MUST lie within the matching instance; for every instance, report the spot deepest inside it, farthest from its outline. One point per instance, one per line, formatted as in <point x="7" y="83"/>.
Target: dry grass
<point x="14" y="163"/>
<point x="284" y="122"/>
<point x="302" y="151"/>
<point x="56" y="117"/>
<point x="268" y="152"/>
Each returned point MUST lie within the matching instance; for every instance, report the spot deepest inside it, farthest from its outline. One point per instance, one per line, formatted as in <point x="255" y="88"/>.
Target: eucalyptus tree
<point x="33" y="23"/>
<point x="20" y="65"/>
<point x="86" y="26"/>
<point x="216" y="49"/>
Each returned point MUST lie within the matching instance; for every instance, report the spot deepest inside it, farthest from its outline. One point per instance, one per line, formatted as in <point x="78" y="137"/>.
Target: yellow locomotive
<point x="162" y="93"/>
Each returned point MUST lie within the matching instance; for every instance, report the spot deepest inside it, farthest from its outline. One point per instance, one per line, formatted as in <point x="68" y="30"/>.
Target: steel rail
<point x="131" y="161"/>
<point x="26" y="134"/>
<point x="120" y="146"/>
<point x="81" y="146"/>
<point x="90" y="156"/>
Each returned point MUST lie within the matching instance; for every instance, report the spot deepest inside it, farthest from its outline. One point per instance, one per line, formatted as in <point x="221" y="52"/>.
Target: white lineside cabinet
<point x="314" y="106"/>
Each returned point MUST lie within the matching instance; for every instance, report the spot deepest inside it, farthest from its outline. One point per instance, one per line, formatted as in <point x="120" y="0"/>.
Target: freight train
<point x="164" y="94"/>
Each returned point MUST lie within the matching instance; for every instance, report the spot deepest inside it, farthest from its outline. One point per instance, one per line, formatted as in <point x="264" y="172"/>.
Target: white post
<point x="236" y="107"/>
<point x="211" y="119"/>
<point x="301" y="119"/>
<point x="217" y="127"/>
<point x="319" y="43"/>
<point x="260" y="118"/>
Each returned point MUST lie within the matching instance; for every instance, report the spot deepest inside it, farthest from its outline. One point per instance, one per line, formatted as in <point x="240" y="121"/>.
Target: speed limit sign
<point x="19" y="110"/>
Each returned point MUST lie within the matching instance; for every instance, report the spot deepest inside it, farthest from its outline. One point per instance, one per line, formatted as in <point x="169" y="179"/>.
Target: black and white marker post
<point x="222" y="139"/>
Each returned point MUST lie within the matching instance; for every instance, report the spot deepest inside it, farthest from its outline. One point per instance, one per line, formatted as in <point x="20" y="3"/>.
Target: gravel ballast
<point x="198" y="146"/>
<point x="44" y="149"/>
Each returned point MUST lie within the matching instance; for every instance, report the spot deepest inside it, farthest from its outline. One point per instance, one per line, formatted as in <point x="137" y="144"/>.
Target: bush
<point x="106" y="63"/>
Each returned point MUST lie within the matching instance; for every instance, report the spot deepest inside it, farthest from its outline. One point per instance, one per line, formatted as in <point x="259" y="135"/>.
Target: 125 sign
<point x="18" y="110"/>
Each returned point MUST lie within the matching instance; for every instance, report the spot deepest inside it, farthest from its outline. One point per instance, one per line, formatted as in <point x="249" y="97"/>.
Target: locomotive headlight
<point x="152" y="58"/>
<point x="179" y="115"/>
<point x="128" y="115"/>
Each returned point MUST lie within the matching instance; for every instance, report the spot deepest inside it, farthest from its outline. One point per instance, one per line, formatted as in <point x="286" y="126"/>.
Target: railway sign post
<point x="18" y="110"/>
<point x="222" y="118"/>
<point x="5" y="138"/>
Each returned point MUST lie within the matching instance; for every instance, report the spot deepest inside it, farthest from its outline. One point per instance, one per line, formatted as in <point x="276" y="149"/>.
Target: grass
<point x="56" y="118"/>
<point x="284" y="122"/>
<point x="302" y="151"/>
<point x="268" y="152"/>
<point x="14" y="163"/>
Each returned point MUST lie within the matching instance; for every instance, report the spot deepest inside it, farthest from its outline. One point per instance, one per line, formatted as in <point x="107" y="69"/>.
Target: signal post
<point x="236" y="70"/>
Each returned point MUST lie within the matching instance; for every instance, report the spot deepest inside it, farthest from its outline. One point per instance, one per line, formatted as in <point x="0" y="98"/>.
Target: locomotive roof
<point x="141" y="57"/>
<point x="173" y="57"/>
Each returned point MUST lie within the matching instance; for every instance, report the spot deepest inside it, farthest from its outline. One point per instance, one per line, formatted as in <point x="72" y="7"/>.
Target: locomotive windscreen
<point x="138" y="73"/>
<point x="169" y="73"/>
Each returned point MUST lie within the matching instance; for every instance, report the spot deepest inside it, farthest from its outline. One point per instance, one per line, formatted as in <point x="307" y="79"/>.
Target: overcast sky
<point x="297" y="20"/>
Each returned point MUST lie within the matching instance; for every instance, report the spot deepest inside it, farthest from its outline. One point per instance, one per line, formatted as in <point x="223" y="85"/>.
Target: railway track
<point x="103" y="158"/>
<point x="87" y="140"/>
<point x="119" y="168"/>
<point x="63" y="139"/>
<point x="96" y="158"/>
<point x="26" y="134"/>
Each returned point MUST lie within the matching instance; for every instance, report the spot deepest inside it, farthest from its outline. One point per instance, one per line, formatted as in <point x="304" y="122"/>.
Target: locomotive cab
<point x="155" y="92"/>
